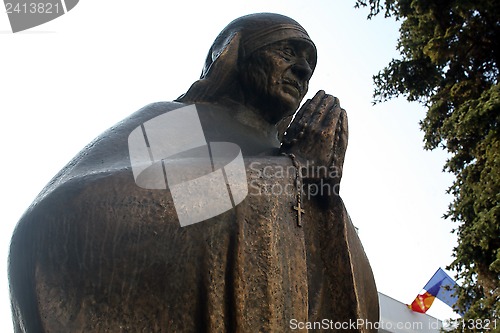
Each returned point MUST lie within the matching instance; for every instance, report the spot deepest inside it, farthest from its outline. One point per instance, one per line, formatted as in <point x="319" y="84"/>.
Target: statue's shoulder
<point x="104" y="159"/>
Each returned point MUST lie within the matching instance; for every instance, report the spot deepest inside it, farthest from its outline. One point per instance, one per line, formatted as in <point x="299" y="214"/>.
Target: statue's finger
<point x="307" y="113"/>
<point x="294" y="127"/>
<point x="340" y="143"/>
<point x="316" y="119"/>
<point x="331" y="118"/>
<point x="302" y="110"/>
<point x="300" y="120"/>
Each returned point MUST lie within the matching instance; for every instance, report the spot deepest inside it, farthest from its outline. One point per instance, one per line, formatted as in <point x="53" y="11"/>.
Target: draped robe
<point x="97" y="253"/>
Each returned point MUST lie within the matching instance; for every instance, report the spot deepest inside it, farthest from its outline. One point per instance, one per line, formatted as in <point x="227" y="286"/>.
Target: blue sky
<point x="64" y="82"/>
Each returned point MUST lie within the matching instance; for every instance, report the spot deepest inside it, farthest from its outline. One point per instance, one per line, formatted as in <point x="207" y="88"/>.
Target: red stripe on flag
<point x="422" y="302"/>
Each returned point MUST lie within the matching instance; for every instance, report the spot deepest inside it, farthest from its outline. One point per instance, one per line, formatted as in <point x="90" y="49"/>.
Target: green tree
<point x="449" y="62"/>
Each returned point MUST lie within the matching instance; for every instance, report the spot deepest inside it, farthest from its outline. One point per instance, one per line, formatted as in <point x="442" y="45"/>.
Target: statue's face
<point x="276" y="78"/>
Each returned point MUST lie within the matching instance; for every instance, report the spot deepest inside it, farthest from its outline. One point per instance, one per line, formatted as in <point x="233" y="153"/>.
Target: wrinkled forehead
<point x="257" y="39"/>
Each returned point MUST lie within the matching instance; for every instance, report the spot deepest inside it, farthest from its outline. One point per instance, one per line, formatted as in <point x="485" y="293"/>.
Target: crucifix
<point x="300" y="211"/>
<point x="298" y="181"/>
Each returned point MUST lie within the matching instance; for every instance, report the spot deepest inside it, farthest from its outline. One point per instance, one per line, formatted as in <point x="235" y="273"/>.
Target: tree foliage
<point x="449" y="61"/>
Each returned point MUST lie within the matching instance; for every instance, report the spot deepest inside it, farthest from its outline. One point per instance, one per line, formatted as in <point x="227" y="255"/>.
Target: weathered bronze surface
<point x="97" y="253"/>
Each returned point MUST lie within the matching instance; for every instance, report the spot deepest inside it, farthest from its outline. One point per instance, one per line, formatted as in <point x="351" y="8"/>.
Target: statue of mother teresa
<point x="213" y="213"/>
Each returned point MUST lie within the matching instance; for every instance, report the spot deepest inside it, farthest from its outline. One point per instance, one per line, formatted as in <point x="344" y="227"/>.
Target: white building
<point x="396" y="317"/>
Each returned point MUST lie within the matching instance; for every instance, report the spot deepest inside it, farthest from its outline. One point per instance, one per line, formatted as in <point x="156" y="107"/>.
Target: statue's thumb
<point x="340" y="144"/>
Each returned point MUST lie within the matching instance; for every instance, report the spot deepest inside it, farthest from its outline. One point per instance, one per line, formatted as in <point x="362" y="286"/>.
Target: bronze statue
<point x="96" y="252"/>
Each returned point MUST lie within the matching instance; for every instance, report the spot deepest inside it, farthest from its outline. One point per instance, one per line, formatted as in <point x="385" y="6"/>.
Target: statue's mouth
<point x="295" y="85"/>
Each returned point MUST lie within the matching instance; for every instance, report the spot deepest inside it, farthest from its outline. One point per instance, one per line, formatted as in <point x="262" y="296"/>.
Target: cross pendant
<point x="300" y="211"/>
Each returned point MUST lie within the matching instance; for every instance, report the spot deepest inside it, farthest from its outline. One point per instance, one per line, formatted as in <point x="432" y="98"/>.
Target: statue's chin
<point x="289" y="102"/>
<point x="278" y="105"/>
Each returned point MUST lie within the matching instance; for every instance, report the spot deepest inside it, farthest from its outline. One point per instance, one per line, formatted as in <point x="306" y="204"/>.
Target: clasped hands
<point x="317" y="136"/>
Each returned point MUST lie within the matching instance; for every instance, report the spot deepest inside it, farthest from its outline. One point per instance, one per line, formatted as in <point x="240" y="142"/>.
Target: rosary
<point x="298" y="182"/>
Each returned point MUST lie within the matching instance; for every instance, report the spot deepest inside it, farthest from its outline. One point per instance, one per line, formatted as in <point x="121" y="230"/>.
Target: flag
<point x="440" y="286"/>
<point x="423" y="302"/>
<point x="447" y="287"/>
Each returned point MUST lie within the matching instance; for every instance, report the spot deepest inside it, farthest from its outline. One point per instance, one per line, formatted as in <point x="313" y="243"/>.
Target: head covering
<point x="236" y="42"/>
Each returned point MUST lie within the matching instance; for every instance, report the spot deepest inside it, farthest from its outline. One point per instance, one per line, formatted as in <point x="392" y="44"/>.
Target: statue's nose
<point x="302" y="69"/>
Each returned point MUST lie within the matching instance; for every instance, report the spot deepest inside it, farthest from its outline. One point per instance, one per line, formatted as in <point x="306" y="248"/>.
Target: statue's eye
<point x="288" y="51"/>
